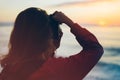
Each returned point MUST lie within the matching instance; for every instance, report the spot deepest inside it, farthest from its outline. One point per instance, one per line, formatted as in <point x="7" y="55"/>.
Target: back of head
<point x="31" y="30"/>
<point x="32" y="35"/>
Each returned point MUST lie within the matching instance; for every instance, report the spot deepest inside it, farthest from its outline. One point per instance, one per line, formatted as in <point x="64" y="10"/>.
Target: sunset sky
<point x="100" y="12"/>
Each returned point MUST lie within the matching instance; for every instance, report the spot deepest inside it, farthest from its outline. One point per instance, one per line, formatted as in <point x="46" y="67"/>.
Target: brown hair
<point x="32" y="36"/>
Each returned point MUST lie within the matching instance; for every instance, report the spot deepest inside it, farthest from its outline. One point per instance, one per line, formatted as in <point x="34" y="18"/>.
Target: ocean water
<point x="108" y="68"/>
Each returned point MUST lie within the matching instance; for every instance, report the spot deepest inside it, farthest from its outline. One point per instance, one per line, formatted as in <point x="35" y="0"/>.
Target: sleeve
<point x="92" y="51"/>
<point x="75" y="67"/>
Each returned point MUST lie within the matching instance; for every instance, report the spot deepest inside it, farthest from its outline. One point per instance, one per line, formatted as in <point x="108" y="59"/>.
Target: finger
<point x="55" y="12"/>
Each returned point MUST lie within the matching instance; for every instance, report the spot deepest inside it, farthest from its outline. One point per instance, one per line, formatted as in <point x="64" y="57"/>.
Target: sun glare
<point x="102" y="23"/>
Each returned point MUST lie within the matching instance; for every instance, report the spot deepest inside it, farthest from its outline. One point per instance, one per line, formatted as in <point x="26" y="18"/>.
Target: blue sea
<point x="108" y="68"/>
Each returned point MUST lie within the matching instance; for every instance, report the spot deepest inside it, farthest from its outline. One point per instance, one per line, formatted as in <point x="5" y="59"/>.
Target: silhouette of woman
<point x="33" y="42"/>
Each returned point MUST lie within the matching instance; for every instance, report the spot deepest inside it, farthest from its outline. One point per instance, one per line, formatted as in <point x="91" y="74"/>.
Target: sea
<point x="108" y="68"/>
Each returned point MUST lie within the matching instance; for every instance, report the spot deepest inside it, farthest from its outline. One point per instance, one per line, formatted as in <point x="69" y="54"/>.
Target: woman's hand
<point x="62" y="18"/>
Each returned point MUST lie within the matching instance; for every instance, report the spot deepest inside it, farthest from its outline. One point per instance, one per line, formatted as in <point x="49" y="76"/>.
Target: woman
<point x="33" y="42"/>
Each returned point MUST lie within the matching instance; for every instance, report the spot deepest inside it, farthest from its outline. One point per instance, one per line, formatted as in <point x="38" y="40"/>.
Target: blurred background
<point x="101" y="17"/>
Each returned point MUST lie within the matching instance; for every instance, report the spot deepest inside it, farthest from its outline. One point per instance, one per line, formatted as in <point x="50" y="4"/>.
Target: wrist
<point x="69" y="23"/>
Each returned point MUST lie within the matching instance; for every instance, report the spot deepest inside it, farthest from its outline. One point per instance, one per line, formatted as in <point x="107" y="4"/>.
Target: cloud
<point x="70" y="3"/>
<point x="81" y="2"/>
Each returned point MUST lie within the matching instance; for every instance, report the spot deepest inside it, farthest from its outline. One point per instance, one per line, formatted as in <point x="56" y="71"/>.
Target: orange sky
<point x="101" y="12"/>
<point x="105" y="12"/>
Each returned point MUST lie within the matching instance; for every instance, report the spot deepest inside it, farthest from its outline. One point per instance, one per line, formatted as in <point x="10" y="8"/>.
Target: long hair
<point x="32" y="36"/>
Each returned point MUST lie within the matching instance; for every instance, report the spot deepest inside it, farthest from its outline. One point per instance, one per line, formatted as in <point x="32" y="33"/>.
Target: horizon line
<point x="86" y="24"/>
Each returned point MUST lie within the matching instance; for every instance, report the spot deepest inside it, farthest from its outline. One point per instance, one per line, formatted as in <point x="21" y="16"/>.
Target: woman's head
<point x="34" y="33"/>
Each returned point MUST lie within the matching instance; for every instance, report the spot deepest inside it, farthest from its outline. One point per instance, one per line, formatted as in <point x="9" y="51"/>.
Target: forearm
<point x="85" y="38"/>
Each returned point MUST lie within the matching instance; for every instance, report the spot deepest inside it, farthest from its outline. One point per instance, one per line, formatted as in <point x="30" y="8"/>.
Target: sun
<point x="102" y="23"/>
